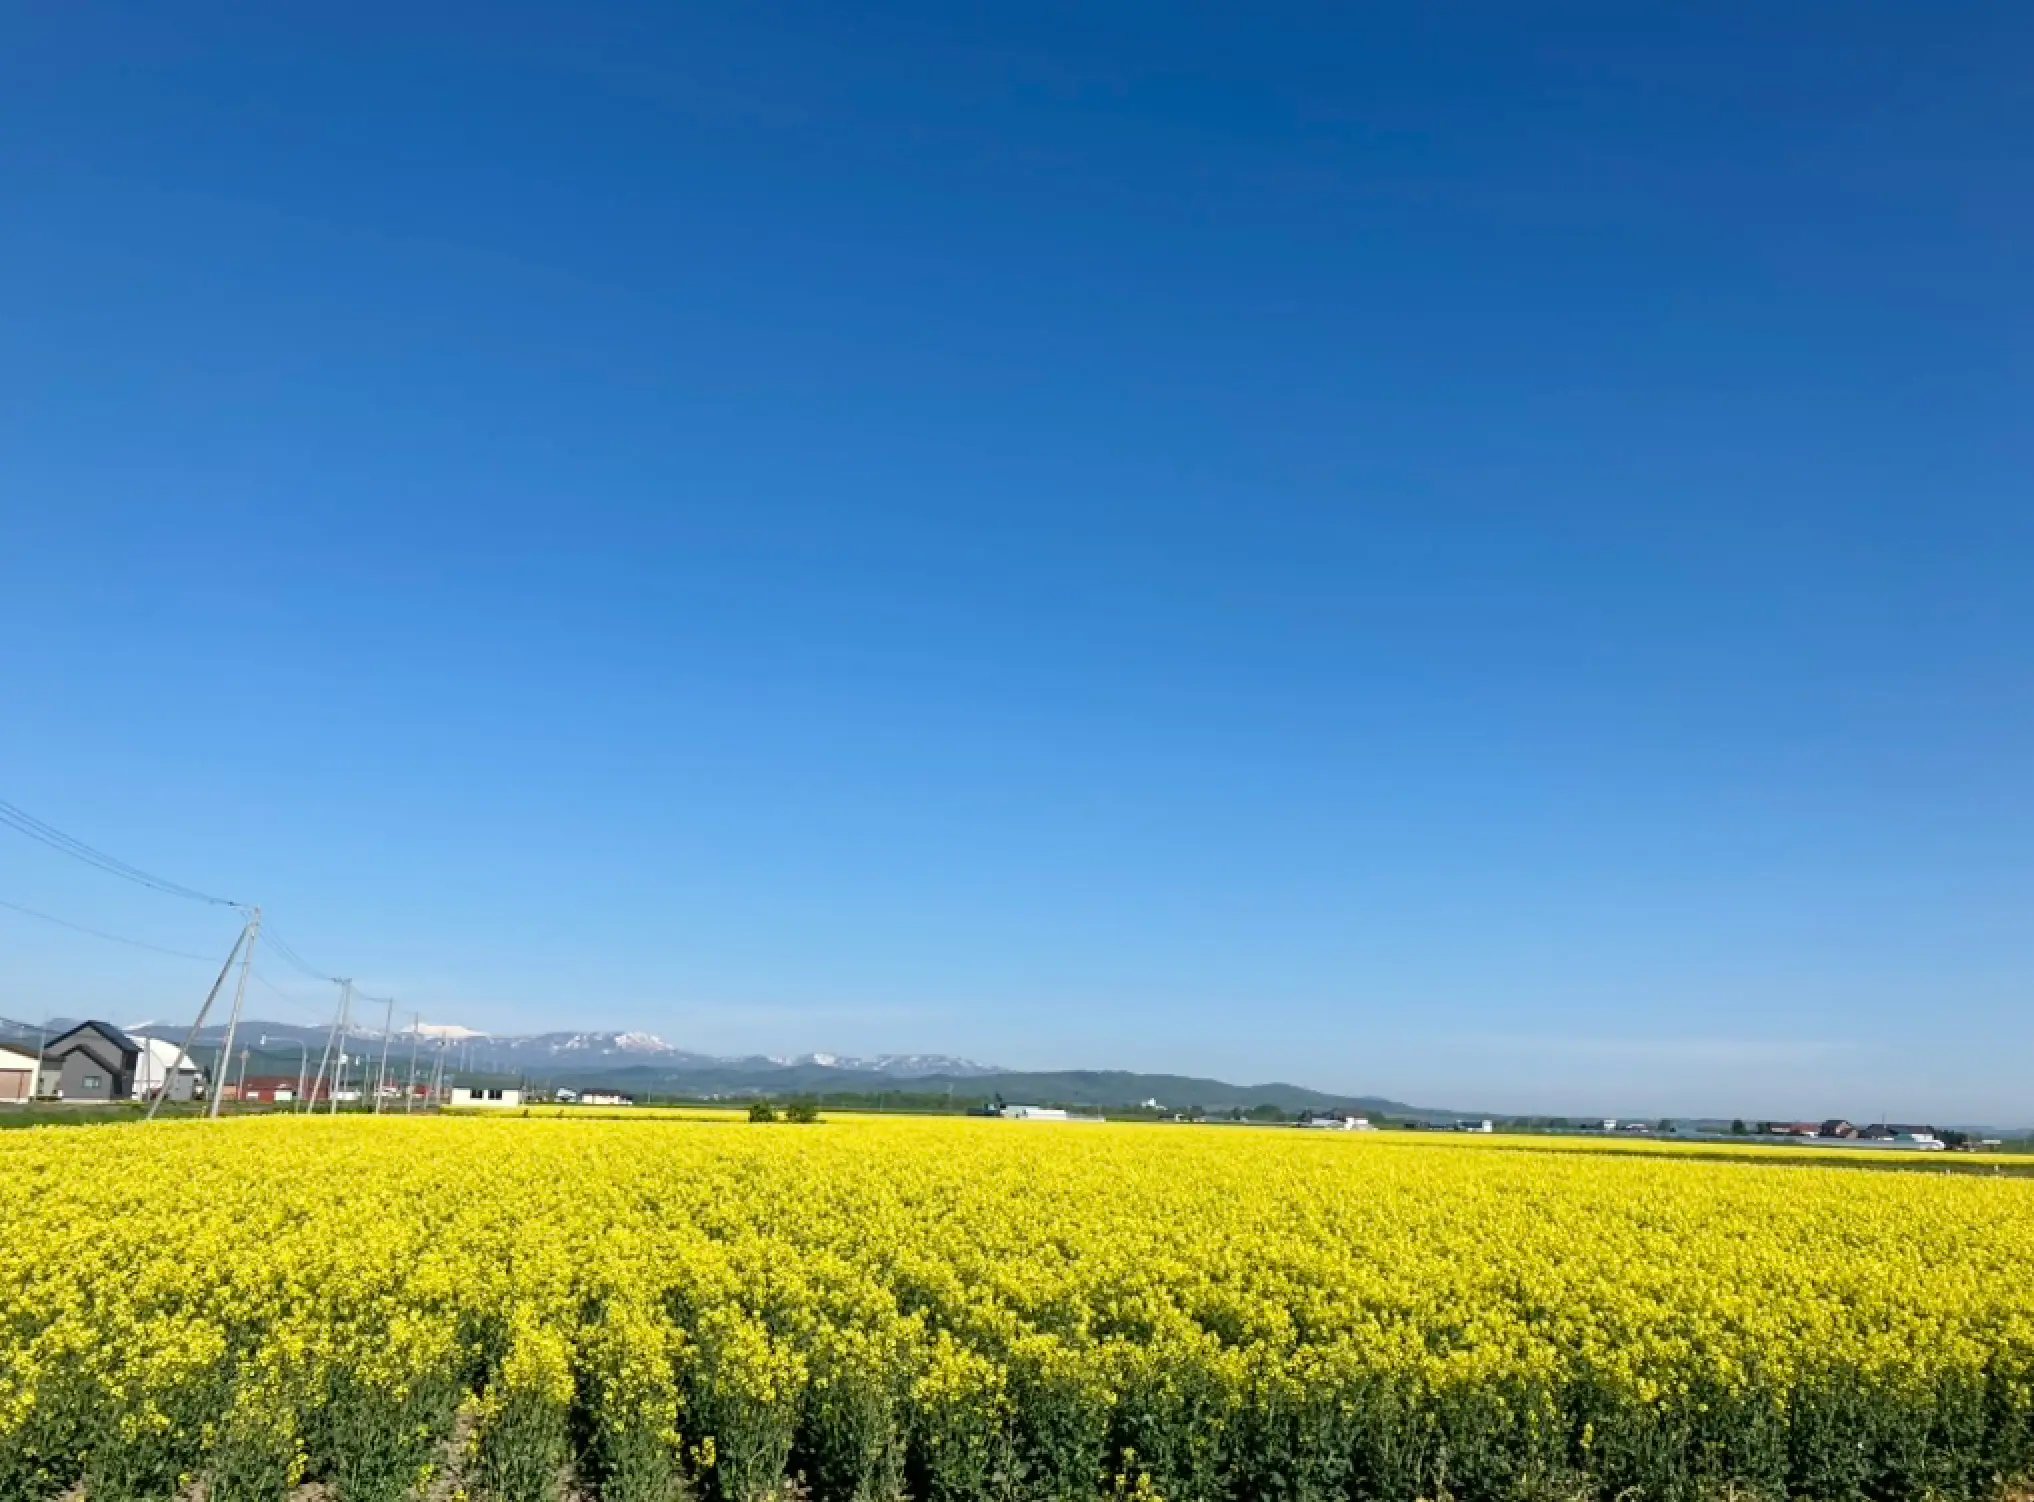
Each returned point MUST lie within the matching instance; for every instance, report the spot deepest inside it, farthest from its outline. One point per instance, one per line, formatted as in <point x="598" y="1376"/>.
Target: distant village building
<point x="274" y="1090"/>
<point x="484" y="1095"/>
<point x="1482" y="1127"/>
<point x="1331" y="1121"/>
<point x="1836" y="1127"/>
<point x="566" y="1097"/>
<point x="1041" y="1113"/>
<point x="1884" y="1131"/>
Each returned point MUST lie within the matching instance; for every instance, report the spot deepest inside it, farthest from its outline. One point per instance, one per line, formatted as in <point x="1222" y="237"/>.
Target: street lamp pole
<point x="303" y="1058"/>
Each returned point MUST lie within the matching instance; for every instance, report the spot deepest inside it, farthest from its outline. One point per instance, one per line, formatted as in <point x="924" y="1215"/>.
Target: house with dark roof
<point x="93" y="1061"/>
<point x="96" y="1061"/>
<point x="1893" y="1131"/>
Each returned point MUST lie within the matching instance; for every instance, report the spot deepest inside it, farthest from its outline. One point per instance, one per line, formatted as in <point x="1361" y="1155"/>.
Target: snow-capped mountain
<point x="898" y="1065"/>
<point x="592" y="1043"/>
<point x="648" y="1048"/>
<point x="595" y="1053"/>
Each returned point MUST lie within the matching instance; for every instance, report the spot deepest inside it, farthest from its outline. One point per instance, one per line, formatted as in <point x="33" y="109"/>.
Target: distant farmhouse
<point x="1926" y="1138"/>
<point x="1336" y="1122"/>
<point x="1041" y="1113"/>
<point x="1879" y="1134"/>
<point x="498" y="1096"/>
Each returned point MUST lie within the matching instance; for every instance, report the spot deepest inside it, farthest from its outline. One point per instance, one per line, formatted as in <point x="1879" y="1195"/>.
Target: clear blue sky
<point x="1484" y="553"/>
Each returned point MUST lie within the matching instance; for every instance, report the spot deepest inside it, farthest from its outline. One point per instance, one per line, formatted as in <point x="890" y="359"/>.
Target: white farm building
<point x="1041" y="1113"/>
<point x="500" y="1097"/>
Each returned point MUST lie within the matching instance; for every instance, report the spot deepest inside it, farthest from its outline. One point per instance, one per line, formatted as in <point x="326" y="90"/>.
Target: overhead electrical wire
<point x="181" y="954"/>
<point x="23" y="822"/>
<point x="294" y="960"/>
<point x="313" y="1005"/>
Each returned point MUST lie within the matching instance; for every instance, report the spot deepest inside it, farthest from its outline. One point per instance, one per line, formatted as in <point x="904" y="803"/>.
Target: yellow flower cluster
<point x="958" y="1309"/>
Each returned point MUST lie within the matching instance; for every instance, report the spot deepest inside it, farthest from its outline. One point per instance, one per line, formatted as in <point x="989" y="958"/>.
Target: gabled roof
<point x="106" y="1030"/>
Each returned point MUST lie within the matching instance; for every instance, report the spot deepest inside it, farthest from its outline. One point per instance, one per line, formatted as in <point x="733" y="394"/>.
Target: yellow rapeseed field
<point x="946" y="1309"/>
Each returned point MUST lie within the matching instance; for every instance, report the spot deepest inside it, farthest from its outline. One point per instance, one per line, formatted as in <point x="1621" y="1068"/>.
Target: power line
<point x="297" y="1003"/>
<point x="23" y="822"/>
<point x="278" y="990"/>
<point x="181" y="954"/>
<point x="296" y="961"/>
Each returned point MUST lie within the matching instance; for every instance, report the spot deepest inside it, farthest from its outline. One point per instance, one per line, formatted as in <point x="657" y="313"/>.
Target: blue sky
<point x="1480" y="554"/>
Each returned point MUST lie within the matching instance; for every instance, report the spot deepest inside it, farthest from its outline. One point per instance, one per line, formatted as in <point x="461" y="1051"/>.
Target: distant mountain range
<point x="558" y="1054"/>
<point x="644" y="1064"/>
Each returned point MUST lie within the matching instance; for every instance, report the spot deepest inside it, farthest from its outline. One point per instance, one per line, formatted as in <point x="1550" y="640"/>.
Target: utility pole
<point x="240" y="1090"/>
<point x="331" y="1040"/>
<point x="345" y="1026"/>
<point x="381" y="1074"/>
<point x="438" y="1077"/>
<point x="233" y="1020"/>
<point x="184" y="1049"/>
<point x="416" y="1037"/>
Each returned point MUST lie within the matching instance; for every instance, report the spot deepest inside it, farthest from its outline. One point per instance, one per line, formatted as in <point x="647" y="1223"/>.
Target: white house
<point x="1042" y="1113"/>
<point x="486" y="1095"/>
<point x="17" y="1075"/>
<point x="1340" y="1123"/>
<point x="157" y="1062"/>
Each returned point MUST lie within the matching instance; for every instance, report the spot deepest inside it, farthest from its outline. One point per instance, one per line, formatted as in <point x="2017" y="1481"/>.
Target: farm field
<point x="872" y="1308"/>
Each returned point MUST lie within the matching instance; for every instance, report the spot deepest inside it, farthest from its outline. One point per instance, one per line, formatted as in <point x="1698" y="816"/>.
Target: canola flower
<point x="947" y="1309"/>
